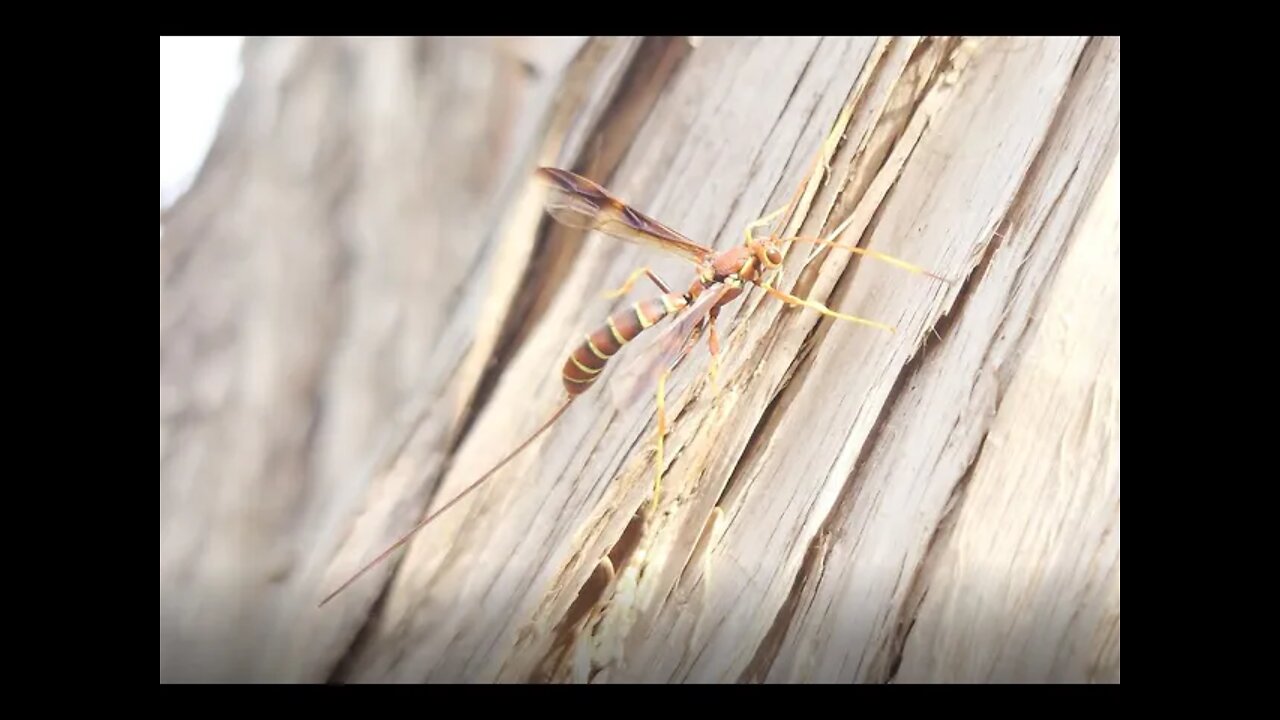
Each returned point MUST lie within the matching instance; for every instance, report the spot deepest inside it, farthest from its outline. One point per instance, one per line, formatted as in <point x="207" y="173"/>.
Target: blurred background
<point x="197" y="75"/>
<point x="331" y="211"/>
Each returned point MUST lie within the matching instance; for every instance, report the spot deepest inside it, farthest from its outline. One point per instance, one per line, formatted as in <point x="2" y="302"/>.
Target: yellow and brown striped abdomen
<point x="585" y="363"/>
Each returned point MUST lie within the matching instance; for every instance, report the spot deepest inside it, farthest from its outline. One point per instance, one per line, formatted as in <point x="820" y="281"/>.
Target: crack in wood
<point x="809" y="574"/>
<point x="491" y="602"/>
<point x="792" y="376"/>
<point x="759" y="151"/>
<point x="811" y="568"/>
<point x="647" y="72"/>
<point x="889" y="660"/>
<point x="631" y="100"/>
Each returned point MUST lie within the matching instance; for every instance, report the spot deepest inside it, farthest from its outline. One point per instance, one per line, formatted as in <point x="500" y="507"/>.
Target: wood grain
<point x="1026" y="586"/>
<point x="935" y="504"/>
<point x="318" y="290"/>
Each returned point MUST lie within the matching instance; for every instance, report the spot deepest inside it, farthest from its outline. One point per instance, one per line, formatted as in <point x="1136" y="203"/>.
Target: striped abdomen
<point x="584" y="365"/>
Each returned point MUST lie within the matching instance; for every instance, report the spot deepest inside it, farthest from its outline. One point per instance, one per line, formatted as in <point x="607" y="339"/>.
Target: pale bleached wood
<point x="941" y="139"/>
<point x="1026" y="586"/>
<point x="315" y="285"/>
<point x="964" y="155"/>
<point x="878" y="545"/>
<point x="811" y="503"/>
<point x="489" y="573"/>
<point x="409" y="477"/>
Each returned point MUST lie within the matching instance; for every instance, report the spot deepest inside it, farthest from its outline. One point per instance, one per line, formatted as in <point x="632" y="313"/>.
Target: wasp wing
<point x="580" y="203"/>
<point x="640" y="375"/>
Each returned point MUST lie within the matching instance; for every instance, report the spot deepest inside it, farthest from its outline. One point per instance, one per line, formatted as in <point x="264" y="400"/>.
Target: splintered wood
<point x="845" y="504"/>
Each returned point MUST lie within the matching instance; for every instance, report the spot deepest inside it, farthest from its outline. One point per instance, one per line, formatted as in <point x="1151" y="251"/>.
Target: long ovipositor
<point x="585" y="363"/>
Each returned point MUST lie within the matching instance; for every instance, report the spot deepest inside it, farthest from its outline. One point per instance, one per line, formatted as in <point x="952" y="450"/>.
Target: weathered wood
<point x="852" y="505"/>
<point x="886" y="541"/>
<point x="1026" y="585"/>
<point x="318" y="286"/>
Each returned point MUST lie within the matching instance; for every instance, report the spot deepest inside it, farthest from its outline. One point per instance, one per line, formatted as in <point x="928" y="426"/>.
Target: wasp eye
<point x="773" y="256"/>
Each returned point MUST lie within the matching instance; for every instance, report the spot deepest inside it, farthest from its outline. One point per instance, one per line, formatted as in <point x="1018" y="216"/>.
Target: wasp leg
<point x="631" y="281"/>
<point x="812" y="305"/>
<point x="713" y="344"/>
<point x="761" y="222"/>
<point x="825" y="242"/>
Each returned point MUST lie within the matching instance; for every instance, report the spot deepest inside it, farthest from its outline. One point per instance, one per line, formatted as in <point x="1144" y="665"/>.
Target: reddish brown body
<point x="731" y="268"/>
<point x="585" y="363"/>
<point x="733" y="262"/>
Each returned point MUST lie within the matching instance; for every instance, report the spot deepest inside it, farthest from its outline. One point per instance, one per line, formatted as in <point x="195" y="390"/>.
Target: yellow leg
<point x="761" y="222"/>
<point x="793" y="300"/>
<point x="823" y="157"/>
<point x="774" y="278"/>
<point x="750" y="238"/>
<point x="631" y="281"/>
<point x="863" y="251"/>
<point x="713" y="343"/>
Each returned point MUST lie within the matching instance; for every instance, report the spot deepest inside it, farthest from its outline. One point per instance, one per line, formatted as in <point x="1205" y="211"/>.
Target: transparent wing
<point x="580" y="203"/>
<point x="640" y="375"/>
